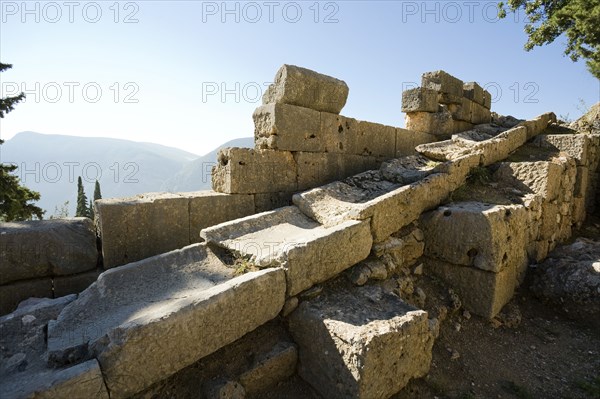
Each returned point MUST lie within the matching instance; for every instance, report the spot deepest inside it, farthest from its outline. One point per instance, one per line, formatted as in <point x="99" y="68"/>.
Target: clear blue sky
<point x="175" y="59"/>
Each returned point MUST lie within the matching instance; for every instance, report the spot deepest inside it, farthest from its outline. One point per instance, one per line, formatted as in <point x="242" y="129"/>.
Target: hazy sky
<point x="188" y="74"/>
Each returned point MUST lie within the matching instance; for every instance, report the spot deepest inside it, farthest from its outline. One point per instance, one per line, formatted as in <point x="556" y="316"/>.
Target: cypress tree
<point x="82" y="201"/>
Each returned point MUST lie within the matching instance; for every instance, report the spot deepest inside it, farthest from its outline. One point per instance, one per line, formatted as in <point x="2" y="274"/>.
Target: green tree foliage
<point x="97" y="196"/>
<point x="548" y="19"/>
<point x="14" y="198"/>
<point x="7" y="104"/>
<point x="82" y="202"/>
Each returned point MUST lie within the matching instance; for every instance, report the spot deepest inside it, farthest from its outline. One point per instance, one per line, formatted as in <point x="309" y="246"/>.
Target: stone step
<point x="361" y="342"/>
<point x="146" y="320"/>
<point x="392" y="197"/>
<point x="310" y="252"/>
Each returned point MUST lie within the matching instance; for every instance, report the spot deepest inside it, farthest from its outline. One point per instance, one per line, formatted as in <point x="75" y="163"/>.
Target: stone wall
<point x="476" y="209"/>
<point x="46" y="258"/>
<point x="444" y="105"/>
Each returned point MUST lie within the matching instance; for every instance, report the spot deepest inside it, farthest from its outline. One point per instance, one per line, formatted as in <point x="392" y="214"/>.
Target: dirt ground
<point x="531" y="350"/>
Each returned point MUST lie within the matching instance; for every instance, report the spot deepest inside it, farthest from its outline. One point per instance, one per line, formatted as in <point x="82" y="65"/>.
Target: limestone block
<point x="487" y="99"/>
<point x="74" y="284"/>
<point x="208" y="208"/>
<point x="276" y="366"/>
<point x="310" y="253"/>
<point x="287" y="127"/>
<point x="407" y="140"/>
<point x="442" y="82"/>
<point x="336" y="130"/>
<point x="484" y="236"/>
<point x="15" y="292"/>
<point x="481" y="292"/>
<point x="437" y="124"/>
<point x="582" y="181"/>
<point x="473" y="92"/>
<point x="575" y="145"/>
<point x="541" y="177"/>
<point x="538" y="125"/>
<point x="500" y="147"/>
<point x="463" y="111"/>
<point x="444" y="150"/>
<point x="579" y="211"/>
<point x="138" y="227"/>
<point x="372" y="139"/>
<point x="361" y="343"/>
<point x="184" y="306"/>
<point x="249" y="171"/>
<point x="315" y="169"/>
<point x="550" y="221"/>
<point x="305" y="88"/>
<point x="449" y="99"/>
<point x="419" y="99"/>
<point x="480" y="114"/>
<point x="42" y="248"/>
<point x="266" y="202"/>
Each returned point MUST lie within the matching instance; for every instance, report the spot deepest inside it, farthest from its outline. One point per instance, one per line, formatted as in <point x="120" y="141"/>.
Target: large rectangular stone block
<point x="437" y="124"/>
<point x="305" y="88"/>
<point x="249" y="171"/>
<point x="335" y="131"/>
<point x="479" y="114"/>
<point x="500" y="147"/>
<point x="184" y="305"/>
<point x="407" y="140"/>
<point x="315" y="169"/>
<point x="484" y="236"/>
<point x="373" y="139"/>
<point x="42" y="248"/>
<point x="309" y="252"/>
<point x="463" y="111"/>
<point x="575" y="145"/>
<point x="266" y="202"/>
<point x="473" y="92"/>
<point x="442" y="82"/>
<point x="481" y="292"/>
<point x="287" y="127"/>
<point x="541" y="177"/>
<point x="361" y="343"/>
<point x="419" y="99"/>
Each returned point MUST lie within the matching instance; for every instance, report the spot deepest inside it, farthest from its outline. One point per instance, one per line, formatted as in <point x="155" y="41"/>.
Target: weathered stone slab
<point x="463" y="111"/>
<point x="419" y="99"/>
<point x="249" y="171"/>
<point x="80" y="381"/>
<point x="336" y="130"/>
<point x="473" y="92"/>
<point x="315" y="169"/>
<point x="310" y="253"/>
<point x="43" y="248"/>
<point x="442" y="82"/>
<point x="13" y="293"/>
<point x="500" y="147"/>
<point x="74" y="284"/>
<point x="276" y="366"/>
<point x="361" y="343"/>
<point x="481" y="292"/>
<point x="185" y="305"/>
<point x="444" y="150"/>
<point x="484" y="236"/>
<point x="287" y="127"/>
<point x="538" y="125"/>
<point x="407" y="140"/>
<point x="305" y="88"/>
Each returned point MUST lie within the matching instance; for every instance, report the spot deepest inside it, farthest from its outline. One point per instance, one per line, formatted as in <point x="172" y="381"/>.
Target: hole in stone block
<point x="312" y="136"/>
<point x="340" y="129"/>
<point x="340" y="146"/>
<point x="242" y="163"/>
<point x="472" y="252"/>
<point x="447" y="212"/>
<point x="505" y="258"/>
<point x="508" y="213"/>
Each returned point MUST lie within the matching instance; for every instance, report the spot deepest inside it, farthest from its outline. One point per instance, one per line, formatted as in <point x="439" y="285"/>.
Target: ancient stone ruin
<point x="282" y="259"/>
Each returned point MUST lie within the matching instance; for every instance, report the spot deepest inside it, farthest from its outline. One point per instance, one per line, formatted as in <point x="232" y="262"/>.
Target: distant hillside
<point x="195" y="175"/>
<point x="50" y="164"/>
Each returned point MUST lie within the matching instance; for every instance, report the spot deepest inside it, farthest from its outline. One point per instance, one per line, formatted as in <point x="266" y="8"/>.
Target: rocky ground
<point x="535" y="348"/>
